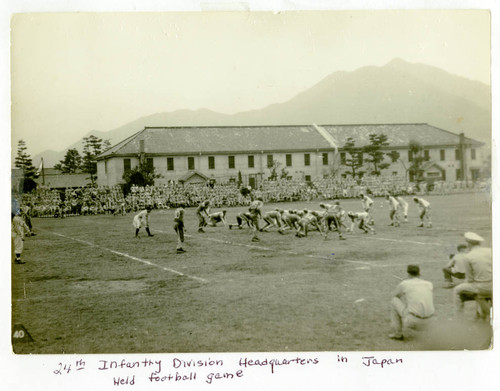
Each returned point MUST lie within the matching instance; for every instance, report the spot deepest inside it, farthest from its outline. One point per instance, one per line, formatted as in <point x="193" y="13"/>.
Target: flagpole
<point x="43" y="173"/>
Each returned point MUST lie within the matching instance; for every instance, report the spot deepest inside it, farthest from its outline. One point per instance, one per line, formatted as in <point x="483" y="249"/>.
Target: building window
<point x="442" y="154"/>
<point x="473" y="154"/>
<point x="459" y="174"/>
<point x="474" y="172"/>
<point x="270" y="161"/>
<point x="230" y="161"/>
<point x="342" y="157"/>
<point x="308" y="178"/>
<point x="307" y="159"/>
<point x="289" y="160"/>
<point x="394" y="173"/>
<point x="211" y="162"/>
<point x="190" y="163"/>
<point x="325" y="158"/>
<point x="426" y="154"/>
<point x="126" y="165"/>
<point x="458" y="155"/>
<point x="149" y="162"/>
<point x="170" y="164"/>
<point x="251" y="163"/>
<point x="410" y="156"/>
<point x="394" y="156"/>
<point x="105" y="166"/>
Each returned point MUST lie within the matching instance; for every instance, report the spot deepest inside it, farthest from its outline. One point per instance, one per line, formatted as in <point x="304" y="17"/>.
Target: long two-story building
<point x="305" y="152"/>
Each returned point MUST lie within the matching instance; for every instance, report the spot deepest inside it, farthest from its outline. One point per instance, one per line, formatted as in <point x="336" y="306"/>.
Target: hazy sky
<point x="73" y="73"/>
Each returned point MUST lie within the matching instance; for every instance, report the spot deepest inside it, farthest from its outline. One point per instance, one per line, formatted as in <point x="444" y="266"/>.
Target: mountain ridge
<point x="398" y="92"/>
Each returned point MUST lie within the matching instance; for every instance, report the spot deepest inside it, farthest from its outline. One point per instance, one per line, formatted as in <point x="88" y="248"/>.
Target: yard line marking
<point x="132" y="257"/>
<point x="406" y="241"/>
<point x="321" y="257"/>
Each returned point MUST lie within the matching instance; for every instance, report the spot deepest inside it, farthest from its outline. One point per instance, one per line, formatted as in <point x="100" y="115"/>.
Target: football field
<point x="89" y="286"/>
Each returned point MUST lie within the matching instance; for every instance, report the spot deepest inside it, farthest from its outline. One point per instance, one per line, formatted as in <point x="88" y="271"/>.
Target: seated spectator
<point x="412" y="305"/>
<point x="455" y="267"/>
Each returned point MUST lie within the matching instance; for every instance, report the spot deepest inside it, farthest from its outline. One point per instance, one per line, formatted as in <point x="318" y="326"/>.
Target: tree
<point x="355" y="159"/>
<point x="284" y="173"/>
<point x="92" y="147"/>
<point x="71" y="163"/>
<point x="141" y="175"/>
<point x="240" y="179"/>
<point x="23" y="160"/>
<point x="274" y="170"/>
<point x="417" y="160"/>
<point x="376" y="156"/>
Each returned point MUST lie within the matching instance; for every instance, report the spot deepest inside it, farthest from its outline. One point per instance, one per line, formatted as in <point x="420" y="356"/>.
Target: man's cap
<point x="413" y="270"/>
<point x="472" y="237"/>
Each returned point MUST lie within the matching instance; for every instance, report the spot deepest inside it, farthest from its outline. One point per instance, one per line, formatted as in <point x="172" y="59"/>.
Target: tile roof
<point x="227" y="139"/>
<point x="64" y="180"/>
<point x="399" y="135"/>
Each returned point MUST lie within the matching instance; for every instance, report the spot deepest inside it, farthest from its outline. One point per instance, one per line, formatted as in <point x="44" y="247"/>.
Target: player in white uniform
<point x="404" y="207"/>
<point x="393" y="211"/>
<point x="141" y="219"/>
<point x="19" y="229"/>
<point x="272" y="219"/>
<point x="367" y="203"/>
<point x="217" y="217"/>
<point x="425" y="212"/>
<point x="290" y="220"/>
<point x="243" y="217"/>
<point x="363" y="218"/>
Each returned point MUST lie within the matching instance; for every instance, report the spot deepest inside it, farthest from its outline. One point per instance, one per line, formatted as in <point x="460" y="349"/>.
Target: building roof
<point x="56" y="181"/>
<point x="398" y="135"/>
<point x="241" y="139"/>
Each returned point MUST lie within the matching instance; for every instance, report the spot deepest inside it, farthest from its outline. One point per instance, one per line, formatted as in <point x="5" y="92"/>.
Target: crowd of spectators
<point x="45" y="202"/>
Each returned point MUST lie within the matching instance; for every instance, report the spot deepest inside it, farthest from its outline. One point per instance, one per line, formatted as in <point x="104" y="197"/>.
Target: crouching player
<point x="363" y="218"/>
<point x="425" y="211"/>
<point x="141" y="219"/>
<point x="290" y="220"/>
<point x="217" y="217"/>
<point x="241" y="218"/>
<point x="394" y="210"/>
<point x="308" y="219"/>
<point x="272" y="219"/>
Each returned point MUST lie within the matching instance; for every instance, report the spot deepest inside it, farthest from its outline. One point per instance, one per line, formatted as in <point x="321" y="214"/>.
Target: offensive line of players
<point x="331" y="217"/>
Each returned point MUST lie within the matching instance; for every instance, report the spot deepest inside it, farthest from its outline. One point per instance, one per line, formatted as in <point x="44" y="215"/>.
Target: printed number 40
<point x="19" y="334"/>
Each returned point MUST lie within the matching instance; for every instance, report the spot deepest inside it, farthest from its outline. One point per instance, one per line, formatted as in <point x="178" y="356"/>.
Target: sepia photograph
<point x="221" y="182"/>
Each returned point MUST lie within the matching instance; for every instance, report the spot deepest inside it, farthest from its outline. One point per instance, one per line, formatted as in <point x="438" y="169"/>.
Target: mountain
<point x="398" y="92"/>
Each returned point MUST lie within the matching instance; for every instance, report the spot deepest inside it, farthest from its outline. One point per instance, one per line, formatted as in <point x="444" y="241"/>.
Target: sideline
<point x="149" y="263"/>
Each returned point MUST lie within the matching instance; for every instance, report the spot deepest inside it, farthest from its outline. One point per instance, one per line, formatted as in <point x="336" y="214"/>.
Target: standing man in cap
<point x="412" y="305"/>
<point x="478" y="275"/>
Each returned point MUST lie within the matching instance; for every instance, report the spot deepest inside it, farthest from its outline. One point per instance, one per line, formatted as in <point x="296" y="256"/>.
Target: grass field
<point x="88" y="286"/>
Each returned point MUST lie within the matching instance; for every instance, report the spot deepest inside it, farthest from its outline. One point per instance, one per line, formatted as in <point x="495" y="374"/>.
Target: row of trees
<point x="72" y="162"/>
<point x="355" y="157"/>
